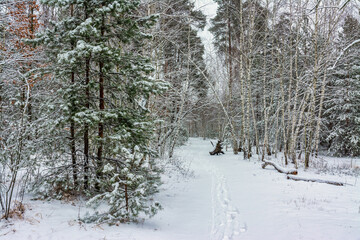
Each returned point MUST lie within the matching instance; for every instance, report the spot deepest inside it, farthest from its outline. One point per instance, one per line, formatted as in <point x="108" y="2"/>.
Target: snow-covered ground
<point x="215" y="198"/>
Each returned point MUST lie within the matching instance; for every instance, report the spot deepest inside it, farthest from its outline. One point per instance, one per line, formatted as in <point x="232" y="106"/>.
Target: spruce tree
<point x="342" y="109"/>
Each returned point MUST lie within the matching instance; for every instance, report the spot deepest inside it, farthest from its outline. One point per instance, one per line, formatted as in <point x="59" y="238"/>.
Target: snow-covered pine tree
<point x="130" y="176"/>
<point x="342" y="108"/>
<point x="96" y="47"/>
<point x="66" y="68"/>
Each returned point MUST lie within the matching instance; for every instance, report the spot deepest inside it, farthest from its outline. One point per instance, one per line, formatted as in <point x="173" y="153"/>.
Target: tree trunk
<point x="313" y="92"/>
<point x="295" y="99"/>
<point x="235" y="142"/>
<point x="317" y="130"/>
<point x="284" y="140"/>
<point x="265" y="142"/>
<point x="99" y="161"/>
<point x="302" y="108"/>
<point x="101" y="127"/>
<point x="289" y="99"/>
<point x="72" y="124"/>
<point x="86" y="128"/>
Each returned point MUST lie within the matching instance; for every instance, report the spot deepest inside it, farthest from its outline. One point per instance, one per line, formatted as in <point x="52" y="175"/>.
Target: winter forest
<point x="179" y="119"/>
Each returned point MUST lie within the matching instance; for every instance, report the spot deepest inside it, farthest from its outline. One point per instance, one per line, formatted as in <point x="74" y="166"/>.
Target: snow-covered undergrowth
<point x="333" y="165"/>
<point x="216" y="198"/>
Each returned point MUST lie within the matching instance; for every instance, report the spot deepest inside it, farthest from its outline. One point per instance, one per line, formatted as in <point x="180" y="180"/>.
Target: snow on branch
<point x="295" y="178"/>
<point x="343" y="51"/>
<point x="279" y="168"/>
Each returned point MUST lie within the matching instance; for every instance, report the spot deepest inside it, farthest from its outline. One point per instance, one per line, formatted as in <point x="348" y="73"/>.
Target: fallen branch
<point x="315" y="180"/>
<point x="13" y="230"/>
<point x="279" y="168"/>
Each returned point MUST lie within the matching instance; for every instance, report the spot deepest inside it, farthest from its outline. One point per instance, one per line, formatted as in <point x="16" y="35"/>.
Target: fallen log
<point x="279" y="168"/>
<point x="315" y="180"/>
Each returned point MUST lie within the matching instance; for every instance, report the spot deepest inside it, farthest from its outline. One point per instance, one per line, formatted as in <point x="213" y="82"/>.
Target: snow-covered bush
<point x="127" y="187"/>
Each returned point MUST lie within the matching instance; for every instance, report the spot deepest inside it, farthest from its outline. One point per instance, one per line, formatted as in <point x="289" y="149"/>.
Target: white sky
<point x="207" y="6"/>
<point x="209" y="9"/>
<point x="215" y="69"/>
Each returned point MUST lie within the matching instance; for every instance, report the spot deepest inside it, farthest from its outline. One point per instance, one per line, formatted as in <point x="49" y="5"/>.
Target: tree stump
<point x="218" y="149"/>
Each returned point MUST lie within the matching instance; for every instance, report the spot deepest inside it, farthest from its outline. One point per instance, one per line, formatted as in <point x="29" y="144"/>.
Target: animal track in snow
<point x="225" y="217"/>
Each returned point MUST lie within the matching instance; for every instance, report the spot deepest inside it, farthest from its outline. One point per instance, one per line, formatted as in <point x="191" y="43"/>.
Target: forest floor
<point x="218" y="198"/>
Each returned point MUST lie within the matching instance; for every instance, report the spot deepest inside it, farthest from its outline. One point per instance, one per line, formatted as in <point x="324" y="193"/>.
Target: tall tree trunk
<point x="32" y="35"/>
<point x="290" y="92"/>
<point x="249" y="92"/>
<point x="230" y="55"/>
<point x="313" y="91"/>
<point x="86" y="128"/>
<point x="265" y="142"/>
<point x="244" y="125"/>
<point x="72" y="139"/>
<point x="72" y="122"/>
<point x="99" y="161"/>
<point x="101" y="127"/>
<point x="295" y="111"/>
<point x="87" y="106"/>
<point x="302" y="108"/>
<point x="283" y="142"/>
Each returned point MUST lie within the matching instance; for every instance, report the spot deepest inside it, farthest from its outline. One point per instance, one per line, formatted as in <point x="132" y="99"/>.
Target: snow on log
<point x="279" y="168"/>
<point x="315" y="180"/>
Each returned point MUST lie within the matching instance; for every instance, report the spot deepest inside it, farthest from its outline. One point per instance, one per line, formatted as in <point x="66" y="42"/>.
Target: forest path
<point x="225" y="216"/>
<point x="248" y="202"/>
<point x="225" y="219"/>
